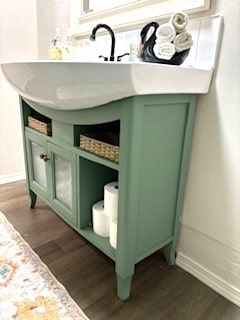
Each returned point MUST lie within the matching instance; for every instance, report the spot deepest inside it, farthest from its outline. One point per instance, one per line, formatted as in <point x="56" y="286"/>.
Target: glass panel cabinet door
<point x="38" y="164"/>
<point x="64" y="182"/>
<point x="39" y="167"/>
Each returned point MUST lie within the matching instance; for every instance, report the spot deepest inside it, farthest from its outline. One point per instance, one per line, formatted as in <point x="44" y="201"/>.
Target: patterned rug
<point x="28" y="290"/>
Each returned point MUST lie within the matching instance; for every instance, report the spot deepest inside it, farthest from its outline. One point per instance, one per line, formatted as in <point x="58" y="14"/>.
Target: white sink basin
<point x="80" y="85"/>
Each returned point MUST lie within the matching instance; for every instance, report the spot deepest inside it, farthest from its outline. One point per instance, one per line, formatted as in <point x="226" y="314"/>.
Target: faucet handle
<point x="104" y="58"/>
<point x="119" y="58"/>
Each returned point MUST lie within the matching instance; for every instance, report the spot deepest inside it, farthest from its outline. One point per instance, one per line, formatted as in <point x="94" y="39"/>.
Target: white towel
<point x="166" y="32"/>
<point x="183" y="41"/>
<point x="164" y="50"/>
<point x="179" y="20"/>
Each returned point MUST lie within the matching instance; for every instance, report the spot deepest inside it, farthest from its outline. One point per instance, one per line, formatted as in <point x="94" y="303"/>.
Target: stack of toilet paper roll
<point x="100" y="220"/>
<point x="111" y="210"/>
<point x="105" y="214"/>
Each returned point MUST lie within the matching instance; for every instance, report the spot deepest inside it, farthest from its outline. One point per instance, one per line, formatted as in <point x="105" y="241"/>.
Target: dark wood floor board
<point x="70" y="241"/>
<point x="51" y="251"/>
<point x="12" y="191"/>
<point x="159" y="291"/>
<point x="221" y="309"/>
<point x="191" y="296"/>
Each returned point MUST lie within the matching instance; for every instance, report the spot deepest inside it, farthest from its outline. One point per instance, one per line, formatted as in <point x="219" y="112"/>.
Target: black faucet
<point x="93" y="38"/>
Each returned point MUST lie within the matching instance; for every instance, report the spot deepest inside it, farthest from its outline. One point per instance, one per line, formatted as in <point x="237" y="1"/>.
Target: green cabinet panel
<point x="162" y="145"/>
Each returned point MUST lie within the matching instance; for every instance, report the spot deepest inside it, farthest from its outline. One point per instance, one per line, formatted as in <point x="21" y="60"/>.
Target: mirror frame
<point x="130" y="16"/>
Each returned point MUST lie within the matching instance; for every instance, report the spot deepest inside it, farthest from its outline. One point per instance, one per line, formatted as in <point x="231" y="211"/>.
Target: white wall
<point x="18" y="40"/>
<point x="26" y="28"/>
<point x="51" y="15"/>
<point x="209" y="245"/>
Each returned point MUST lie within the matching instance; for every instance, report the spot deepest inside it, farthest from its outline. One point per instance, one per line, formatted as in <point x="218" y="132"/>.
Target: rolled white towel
<point x="166" y="32"/>
<point x="183" y="41"/>
<point x="164" y="50"/>
<point x="179" y="20"/>
<point x="161" y="40"/>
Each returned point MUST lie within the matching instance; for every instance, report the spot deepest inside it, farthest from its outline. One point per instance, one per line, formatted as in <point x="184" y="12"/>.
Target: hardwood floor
<point x="159" y="291"/>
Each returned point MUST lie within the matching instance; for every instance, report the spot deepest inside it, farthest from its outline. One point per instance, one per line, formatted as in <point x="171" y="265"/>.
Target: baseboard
<point x="210" y="279"/>
<point x="12" y="177"/>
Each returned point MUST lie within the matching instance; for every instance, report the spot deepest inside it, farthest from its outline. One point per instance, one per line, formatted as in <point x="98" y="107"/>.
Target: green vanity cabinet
<point x="155" y="136"/>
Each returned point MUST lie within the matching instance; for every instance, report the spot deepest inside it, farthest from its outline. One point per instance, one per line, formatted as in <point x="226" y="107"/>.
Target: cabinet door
<point x="38" y="164"/>
<point x="64" y="182"/>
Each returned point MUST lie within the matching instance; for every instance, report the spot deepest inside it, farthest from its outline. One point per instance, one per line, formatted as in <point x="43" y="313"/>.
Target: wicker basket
<point x="40" y="126"/>
<point x="103" y="144"/>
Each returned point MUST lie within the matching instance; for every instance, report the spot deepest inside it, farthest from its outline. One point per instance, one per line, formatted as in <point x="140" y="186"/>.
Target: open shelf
<point x="95" y="158"/>
<point x="101" y="243"/>
<point x="82" y="153"/>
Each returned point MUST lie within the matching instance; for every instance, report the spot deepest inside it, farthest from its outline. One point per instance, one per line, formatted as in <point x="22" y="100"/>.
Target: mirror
<point x="124" y="15"/>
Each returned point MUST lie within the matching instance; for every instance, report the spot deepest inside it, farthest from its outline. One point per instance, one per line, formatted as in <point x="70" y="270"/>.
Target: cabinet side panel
<point x="163" y="138"/>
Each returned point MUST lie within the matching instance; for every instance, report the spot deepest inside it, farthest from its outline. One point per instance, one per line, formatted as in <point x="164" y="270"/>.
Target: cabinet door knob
<point x="44" y="157"/>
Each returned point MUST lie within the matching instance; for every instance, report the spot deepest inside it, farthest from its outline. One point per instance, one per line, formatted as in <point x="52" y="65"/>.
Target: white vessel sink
<point x="79" y="85"/>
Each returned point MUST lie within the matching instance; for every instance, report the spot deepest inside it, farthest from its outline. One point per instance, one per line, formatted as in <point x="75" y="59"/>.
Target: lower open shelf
<point x="102" y="243"/>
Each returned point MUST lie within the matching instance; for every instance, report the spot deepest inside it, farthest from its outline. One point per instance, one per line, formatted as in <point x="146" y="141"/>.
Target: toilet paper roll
<point x="111" y="200"/>
<point x="100" y="220"/>
<point x="113" y="234"/>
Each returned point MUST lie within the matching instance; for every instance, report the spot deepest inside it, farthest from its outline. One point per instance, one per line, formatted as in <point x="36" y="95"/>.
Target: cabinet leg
<point x="123" y="287"/>
<point x="169" y="253"/>
<point x="33" y="199"/>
